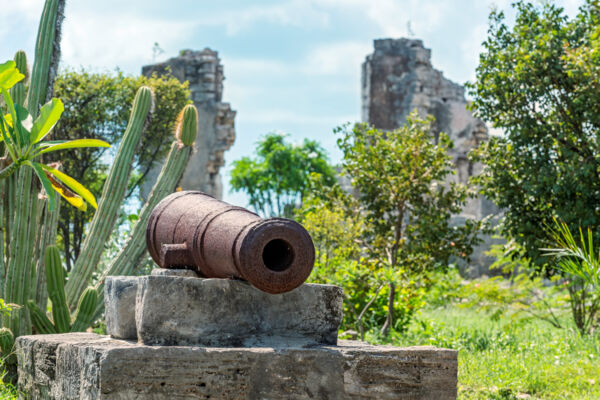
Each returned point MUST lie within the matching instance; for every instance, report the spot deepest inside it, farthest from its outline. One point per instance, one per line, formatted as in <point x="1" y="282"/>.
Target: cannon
<point x="190" y="229"/>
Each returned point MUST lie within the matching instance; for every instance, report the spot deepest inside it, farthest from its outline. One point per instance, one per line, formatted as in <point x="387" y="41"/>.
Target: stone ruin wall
<point x="399" y="78"/>
<point x="216" y="129"/>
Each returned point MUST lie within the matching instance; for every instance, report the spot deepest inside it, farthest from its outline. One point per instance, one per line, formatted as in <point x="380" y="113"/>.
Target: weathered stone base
<point x="89" y="366"/>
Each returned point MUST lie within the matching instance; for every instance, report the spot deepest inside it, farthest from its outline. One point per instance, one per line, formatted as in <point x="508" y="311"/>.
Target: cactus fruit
<point x="55" y="281"/>
<point x="187" y="125"/>
<point x="112" y="195"/>
<point x="85" y="310"/>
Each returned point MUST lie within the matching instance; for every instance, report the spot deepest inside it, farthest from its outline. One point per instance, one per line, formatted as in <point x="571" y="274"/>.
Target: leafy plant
<point x="277" y="180"/>
<point x="400" y="180"/>
<point x="580" y="262"/>
<point x="24" y="143"/>
<point x="537" y="80"/>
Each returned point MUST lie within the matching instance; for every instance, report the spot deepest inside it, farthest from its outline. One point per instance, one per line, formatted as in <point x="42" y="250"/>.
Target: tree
<point x="404" y="205"/>
<point x="97" y="106"/>
<point x="539" y="82"/>
<point x="277" y="179"/>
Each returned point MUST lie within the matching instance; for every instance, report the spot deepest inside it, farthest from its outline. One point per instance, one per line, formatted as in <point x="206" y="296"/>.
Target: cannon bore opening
<point x="278" y="255"/>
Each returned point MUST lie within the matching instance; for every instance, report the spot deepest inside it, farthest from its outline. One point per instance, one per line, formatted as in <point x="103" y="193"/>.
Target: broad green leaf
<point x="11" y="108"/>
<point x="9" y="74"/>
<point x="73" y="185"/>
<point x="49" y="115"/>
<point x="48" y="187"/>
<point x="73" y="144"/>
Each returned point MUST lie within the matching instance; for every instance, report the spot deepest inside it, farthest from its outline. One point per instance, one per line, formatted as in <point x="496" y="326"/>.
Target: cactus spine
<point x="171" y="172"/>
<point x="112" y="195"/>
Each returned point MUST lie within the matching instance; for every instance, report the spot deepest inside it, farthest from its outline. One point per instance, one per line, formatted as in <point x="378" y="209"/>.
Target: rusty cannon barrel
<point x="194" y="230"/>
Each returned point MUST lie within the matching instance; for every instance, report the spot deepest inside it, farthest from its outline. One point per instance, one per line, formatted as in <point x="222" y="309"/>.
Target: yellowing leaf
<point x="77" y="187"/>
<point x="73" y="199"/>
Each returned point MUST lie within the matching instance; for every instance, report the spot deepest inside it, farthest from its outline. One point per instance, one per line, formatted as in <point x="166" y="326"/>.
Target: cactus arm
<point x="166" y="182"/>
<point x="112" y="195"/>
<point x="56" y="289"/>
<point x="18" y="277"/>
<point x="40" y="321"/>
<point x="18" y="90"/>
<point x="47" y="55"/>
<point x="85" y="310"/>
<point x="46" y="237"/>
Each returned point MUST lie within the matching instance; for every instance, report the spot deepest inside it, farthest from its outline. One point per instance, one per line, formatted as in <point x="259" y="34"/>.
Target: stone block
<point x="223" y="312"/>
<point x="88" y="366"/>
<point x="119" y="304"/>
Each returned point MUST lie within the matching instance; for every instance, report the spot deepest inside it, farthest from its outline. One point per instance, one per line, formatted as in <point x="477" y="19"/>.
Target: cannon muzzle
<point x="194" y="230"/>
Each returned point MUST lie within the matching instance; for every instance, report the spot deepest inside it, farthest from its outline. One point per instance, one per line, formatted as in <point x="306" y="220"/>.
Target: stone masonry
<point x="174" y="335"/>
<point x="216" y="131"/>
<point x="399" y="78"/>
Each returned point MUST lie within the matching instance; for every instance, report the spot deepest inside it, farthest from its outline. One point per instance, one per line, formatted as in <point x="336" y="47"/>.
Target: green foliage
<point x="506" y="359"/>
<point x="277" y="179"/>
<point x="380" y="243"/>
<point x="580" y="262"/>
<point x="97" y="105"/>
<point x="23" y="141"/>
<point x="538" y="82"/>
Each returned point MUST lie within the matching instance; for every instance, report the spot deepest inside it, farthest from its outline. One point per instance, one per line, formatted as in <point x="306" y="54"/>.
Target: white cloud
<point x="297" y="13"/>
<point x="128" y="41"/>
<point x="338" y="58"/>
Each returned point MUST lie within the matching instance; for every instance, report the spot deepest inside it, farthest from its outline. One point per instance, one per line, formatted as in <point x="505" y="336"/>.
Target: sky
<point x="290" y="66"/>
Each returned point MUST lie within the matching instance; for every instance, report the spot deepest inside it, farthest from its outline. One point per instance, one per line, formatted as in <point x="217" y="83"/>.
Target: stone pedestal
<point x="176" y="336"/>
<point x="88" y="366"/>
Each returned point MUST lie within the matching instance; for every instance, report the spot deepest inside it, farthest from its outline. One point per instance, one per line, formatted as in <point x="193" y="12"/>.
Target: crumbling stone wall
<point x="216" y="129"/>
<point x="399" y="78"/>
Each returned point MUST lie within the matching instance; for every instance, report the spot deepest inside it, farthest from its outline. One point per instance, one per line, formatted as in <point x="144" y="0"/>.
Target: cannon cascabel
<point x="194" y="230"/>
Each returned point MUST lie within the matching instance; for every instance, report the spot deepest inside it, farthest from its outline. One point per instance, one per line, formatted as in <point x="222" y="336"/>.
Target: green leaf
<point x="9" y="75"/>
<point x="73" y="144"/>
<point x="72" y="184"/>
<point x="37" y="167"/>
<point x="49" y="115"/>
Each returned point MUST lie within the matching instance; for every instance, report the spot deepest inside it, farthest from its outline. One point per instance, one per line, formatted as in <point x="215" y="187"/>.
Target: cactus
<point x="61" y="319"/>
<point x="112" y="195"/>
<point x="172" y="170"/>
<point x="23" y="219"/>
<point x="55" y="280"/>
<point x="18" y="91"/>
<point x="32" y="266"/>
<point x="40" y="321"/>
<point x="85" y="310"/>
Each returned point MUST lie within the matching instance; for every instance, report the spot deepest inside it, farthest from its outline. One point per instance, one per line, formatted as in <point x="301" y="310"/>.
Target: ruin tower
<point x="399" y="78"/>
<point x="216" y="131"/>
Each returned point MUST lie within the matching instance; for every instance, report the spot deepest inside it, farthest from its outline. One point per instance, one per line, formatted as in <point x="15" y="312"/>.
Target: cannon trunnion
<point x="194" y="230"/>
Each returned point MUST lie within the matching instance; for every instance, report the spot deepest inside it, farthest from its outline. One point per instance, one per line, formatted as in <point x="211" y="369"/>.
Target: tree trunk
<point x="389" y="322"/>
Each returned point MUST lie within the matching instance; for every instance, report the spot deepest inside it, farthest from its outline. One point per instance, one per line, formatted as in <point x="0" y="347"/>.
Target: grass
<point x="7" y="390"/>
<point x="510" y="359"/>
